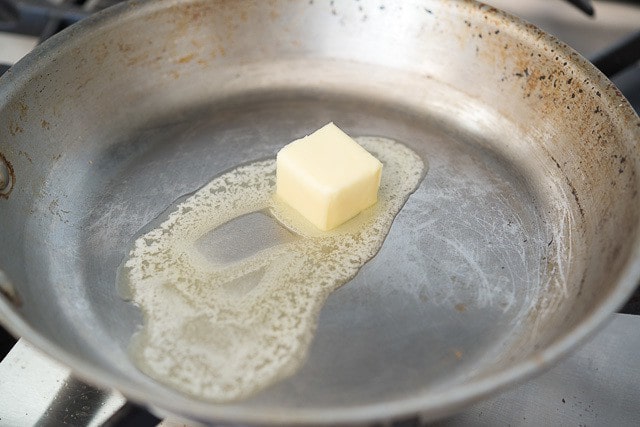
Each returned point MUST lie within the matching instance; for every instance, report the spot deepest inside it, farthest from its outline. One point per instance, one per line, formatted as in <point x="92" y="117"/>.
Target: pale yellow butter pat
<point x="327" y="177"/>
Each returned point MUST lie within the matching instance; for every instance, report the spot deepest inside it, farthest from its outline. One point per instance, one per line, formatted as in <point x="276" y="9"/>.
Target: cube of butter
<point x="327" y="177"/>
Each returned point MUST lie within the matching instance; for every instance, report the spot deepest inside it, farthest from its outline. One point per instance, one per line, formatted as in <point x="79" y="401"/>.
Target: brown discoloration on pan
<point x="584" y="123"/>
<point x="575" y="132"/>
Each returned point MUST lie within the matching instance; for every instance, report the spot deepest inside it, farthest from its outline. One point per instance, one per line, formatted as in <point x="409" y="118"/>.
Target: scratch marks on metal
<point x="487" y="241"/>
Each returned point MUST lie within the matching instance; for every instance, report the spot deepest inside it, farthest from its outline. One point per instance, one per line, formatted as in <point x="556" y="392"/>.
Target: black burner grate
<point x="44" y="18"/>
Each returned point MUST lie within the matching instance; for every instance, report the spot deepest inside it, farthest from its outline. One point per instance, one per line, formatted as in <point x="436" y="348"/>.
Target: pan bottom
<point x="450" y="294"/>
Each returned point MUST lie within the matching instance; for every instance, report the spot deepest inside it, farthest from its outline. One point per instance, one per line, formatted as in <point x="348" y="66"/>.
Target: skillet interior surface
<point x="522" y="233"/>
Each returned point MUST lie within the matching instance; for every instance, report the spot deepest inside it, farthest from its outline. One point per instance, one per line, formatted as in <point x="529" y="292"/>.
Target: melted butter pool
<point x="232" y="281"/>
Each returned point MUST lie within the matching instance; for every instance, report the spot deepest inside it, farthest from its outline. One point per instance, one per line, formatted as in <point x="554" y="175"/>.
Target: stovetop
<point x="578" y="390"/>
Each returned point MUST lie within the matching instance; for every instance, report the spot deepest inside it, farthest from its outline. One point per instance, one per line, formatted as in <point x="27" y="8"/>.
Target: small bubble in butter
<point x="226" y="314"/>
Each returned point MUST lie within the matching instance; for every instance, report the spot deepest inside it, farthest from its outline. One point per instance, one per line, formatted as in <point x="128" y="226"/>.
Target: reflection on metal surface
<point x="14" y="46"/>
<point x="593" y="386"/>
<point x="75" y="403"/>
<point x="38" y="391"/>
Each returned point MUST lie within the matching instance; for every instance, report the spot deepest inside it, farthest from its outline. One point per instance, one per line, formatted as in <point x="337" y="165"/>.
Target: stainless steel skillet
<point x="520" y="241"/>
